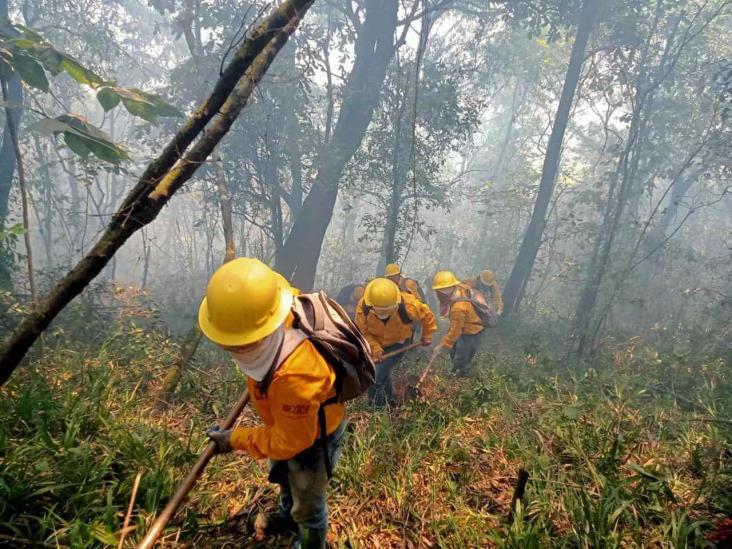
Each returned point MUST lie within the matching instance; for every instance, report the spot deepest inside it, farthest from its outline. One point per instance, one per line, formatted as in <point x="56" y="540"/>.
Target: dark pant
<point x="463" y="352"/>
<point x="303" y="481"/>
<point x="380" y="393"/>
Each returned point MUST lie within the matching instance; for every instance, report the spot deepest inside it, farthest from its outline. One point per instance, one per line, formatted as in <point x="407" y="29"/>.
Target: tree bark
<point x="23" y="192"/>
<point x="7" y="153"/>
<point x="166" y="174"/>
<point x="374" y="50"/>
<point x="398" y="176"/>
<point x="521" y="272"/>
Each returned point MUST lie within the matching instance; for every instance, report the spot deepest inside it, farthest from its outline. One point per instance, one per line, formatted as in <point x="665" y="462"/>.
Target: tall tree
<point x="7" y="153"/>
<point x="670" y="33"/>
<point x="521" y="272"/>
<point x="374" y="49"/>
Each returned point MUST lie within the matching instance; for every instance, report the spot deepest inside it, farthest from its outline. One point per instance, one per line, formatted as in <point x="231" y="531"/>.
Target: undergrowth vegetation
<point x="617" y="455"/>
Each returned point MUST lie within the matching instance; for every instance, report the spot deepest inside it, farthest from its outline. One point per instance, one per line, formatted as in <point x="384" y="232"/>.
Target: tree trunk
<point x="166" y="174"/>
<point x="7" y="153"/>
<point x="398" y="176"/>
<point x="586" y="326"/>
<point x="374" y="50"/>
<point x="521" y="272"/>
<point x="658" y="233"/>
<point x="23" y="191"/>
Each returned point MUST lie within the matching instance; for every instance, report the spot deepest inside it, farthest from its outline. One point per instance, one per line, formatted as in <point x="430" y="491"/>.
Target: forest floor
<point x="628" y="453"/>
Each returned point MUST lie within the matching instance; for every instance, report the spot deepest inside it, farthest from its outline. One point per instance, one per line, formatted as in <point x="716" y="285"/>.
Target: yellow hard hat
<point x="245" y="301"/>
<point x="444" y="279"/>
<point x="382" y="292"/>
<point x="487" y="277"/>
<point x="392" y="269"/>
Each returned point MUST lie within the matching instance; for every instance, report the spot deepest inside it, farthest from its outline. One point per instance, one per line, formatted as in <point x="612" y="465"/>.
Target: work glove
<point x="426" y="341"/>
<point x="378" y="355"/>
<point x="222" y="439"/>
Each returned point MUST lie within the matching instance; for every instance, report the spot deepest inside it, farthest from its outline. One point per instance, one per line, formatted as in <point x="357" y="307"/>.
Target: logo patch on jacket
<point x="296" y="409"/>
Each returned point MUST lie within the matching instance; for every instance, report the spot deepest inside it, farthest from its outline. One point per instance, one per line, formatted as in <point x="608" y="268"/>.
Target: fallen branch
<point x="130" y="507"/>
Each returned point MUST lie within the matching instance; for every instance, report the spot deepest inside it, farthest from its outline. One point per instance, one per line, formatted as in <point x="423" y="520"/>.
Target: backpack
<point x="483" y="308"/>
<point x="341" y="344"/>
<point x="345" y="296"/>
<point x="404" y="288"/>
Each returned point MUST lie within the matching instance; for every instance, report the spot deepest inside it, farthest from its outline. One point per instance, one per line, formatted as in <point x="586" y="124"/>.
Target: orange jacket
<point x="382" y="334"/>
<point x="492" y="292"/>
<point x="289" y="410"/>
<point x="463" y="320"/>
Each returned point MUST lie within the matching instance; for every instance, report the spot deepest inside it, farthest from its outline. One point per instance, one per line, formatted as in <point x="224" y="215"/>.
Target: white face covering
<point x="255" y="361"/>
<point x="383" y="313"/>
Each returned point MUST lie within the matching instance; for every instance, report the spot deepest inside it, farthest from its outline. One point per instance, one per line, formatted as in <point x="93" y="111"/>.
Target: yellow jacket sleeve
<point x="362" y="324"/>
<point x="458" y="317"/>
<point x="295" y="403"/>
<point x="426" y="318"/>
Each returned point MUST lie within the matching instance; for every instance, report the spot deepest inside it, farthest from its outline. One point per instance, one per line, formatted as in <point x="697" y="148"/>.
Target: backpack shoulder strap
<point x="403" y="313"/>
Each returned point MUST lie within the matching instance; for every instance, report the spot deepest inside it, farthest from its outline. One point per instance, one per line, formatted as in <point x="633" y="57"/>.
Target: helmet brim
<point x="228" y="339"/>
<point x="446" y="285"/>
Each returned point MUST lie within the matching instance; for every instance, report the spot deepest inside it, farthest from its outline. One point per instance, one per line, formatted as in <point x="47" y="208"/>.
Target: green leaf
<point x="81" y="137"/>
<point x="141" y="109"/>
<point x="107" y="98"/>
<point x="6" y="63"/>
<point x="31" y="71"/>
<point x="57" y="62"/>
<point x="51" y="59"/>
<point x="16" y="229"/>
<point x="24" y="43"/>
<point x="48" y="126"/>
<point x="29" y="33"/>
<point x="97" y="141"/>
<point x="11" y="233"/>
<point x="78" y="72"/>
<point x="102" y="534"/>
<point x="644" y="472"/>
<point x="77" y="144"/>
<point x="163" y="108"/>
<point x="139" y="103"/>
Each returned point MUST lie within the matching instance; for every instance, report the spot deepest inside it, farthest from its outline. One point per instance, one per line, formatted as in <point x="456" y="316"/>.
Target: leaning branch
<point x="166" y="174"/>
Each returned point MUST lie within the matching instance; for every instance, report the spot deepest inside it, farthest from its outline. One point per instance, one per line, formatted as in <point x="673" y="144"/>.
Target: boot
<point x="271" y="523"/>
<point x="311" y="538"/>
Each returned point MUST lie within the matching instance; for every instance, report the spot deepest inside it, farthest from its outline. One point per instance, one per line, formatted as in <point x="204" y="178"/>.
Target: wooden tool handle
<point x="180" y="494"/>
<point x="400" y="351"/>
